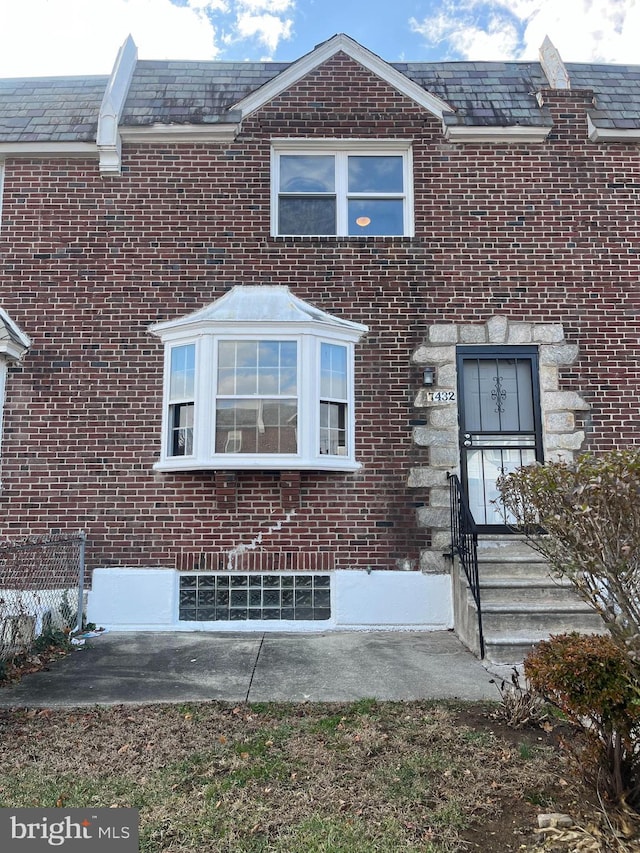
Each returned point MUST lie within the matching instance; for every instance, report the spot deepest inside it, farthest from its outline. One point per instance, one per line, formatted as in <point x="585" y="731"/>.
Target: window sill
<point x="262" y="463"/>
<point x="334" y="238"/>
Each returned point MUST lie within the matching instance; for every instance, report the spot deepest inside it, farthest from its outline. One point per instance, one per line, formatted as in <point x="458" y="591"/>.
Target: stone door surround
<point x="561" y="438"/>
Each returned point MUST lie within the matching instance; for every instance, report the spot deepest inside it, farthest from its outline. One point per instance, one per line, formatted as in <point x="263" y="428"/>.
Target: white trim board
<point x="341" y="43"/>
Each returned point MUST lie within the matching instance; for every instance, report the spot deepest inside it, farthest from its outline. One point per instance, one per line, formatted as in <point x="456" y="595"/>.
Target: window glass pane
<point x="181" y="429"/>
<point x="375" y="174"/>
<point x="288" y="381"/>
<point x="269" y="353"/>
<point x="246" y="380"/>
<point x="261" y="367"/>
<point x="183" y="366"/>
<point x="246" y="353"/>
<point x="307" y="216"/>
<point x="277" y="367"/>
<point x="226" y="354"/>
<point x="256" y="426"/>
<point x="307" y="173"/>
<point x="484" y="467"/>
<point x="226" y="380"/>
<point x="333" y="433"/>
<point x="498" y="394"/>
<point x="333" y="371"/>
<point x="288" y="353"/>
<point x="371" y="217"/>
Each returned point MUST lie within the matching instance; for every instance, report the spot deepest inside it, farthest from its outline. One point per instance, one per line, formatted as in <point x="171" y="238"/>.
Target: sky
<point x="62" y="37"/>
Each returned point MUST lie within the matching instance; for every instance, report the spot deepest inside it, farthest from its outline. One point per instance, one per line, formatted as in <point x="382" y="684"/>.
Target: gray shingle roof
<point x="191" y="92"/>
<point x="616" y="89"/>
<point x="494" y="94"/>
<point x="50" y="109"/>
<point x="490" y="94"/>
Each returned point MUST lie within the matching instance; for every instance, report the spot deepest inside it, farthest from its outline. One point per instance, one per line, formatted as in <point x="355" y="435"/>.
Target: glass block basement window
<point x="239" y="597"/>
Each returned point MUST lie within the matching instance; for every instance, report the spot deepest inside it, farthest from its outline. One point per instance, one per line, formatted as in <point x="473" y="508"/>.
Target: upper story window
<point x="259" y="379"/>
<point x="342" y="188"/>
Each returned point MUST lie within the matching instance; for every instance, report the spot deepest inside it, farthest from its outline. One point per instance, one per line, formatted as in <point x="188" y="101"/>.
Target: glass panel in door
<point x="499" y="424"/>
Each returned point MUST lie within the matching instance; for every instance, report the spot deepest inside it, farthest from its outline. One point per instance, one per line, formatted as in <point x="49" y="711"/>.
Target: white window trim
<point x="309" y="456"/>
<point x="258" y="312"/>
<point x="364" y="147"/>
<point x="13" y="346"/>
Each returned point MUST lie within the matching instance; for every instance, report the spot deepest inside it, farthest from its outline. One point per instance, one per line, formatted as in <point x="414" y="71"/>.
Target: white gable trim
<point x="358" y="53"/>
<point x="108" y="138"/>
<point x="554" y="68"/>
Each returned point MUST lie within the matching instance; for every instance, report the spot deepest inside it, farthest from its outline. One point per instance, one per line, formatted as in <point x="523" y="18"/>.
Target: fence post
<point x="83" y="540"/>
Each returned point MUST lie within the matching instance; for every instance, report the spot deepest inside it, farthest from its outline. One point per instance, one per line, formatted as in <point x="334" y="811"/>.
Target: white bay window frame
<point x="207" y="328"/>
<point x="341" y="149"/>
<point x="14" y="345"/>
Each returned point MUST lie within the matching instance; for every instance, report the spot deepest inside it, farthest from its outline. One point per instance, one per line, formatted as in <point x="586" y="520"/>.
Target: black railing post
<point x="464" y="543"/>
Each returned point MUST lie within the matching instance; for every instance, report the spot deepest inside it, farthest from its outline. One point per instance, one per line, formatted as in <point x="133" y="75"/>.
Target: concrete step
<point x="522" y="603"/>
<point x="511" y="649"/>
<point x="522" y="589"/>
<point x="504" y="619"/>
<point x="512" y="568"/>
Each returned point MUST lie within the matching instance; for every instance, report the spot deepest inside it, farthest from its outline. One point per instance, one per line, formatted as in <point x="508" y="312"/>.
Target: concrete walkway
<point x="142" y="668"/>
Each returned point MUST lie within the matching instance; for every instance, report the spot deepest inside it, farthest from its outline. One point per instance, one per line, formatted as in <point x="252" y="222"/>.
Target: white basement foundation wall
<point x="128" y="599"/>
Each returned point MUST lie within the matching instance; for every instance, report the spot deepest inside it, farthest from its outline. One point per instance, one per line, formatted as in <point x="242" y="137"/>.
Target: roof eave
<point x="513" y="134"/>
<point x="342" y="43"/>
<point x="219" y="132"/>
<point x="48" y="149"/>
<point x="612" y="134"/>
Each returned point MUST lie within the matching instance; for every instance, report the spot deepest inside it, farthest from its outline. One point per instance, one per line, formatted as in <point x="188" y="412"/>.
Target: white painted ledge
<point x="128" y="599"/>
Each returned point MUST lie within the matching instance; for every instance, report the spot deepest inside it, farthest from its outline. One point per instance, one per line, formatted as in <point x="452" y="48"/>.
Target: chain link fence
<point x="41" y="589"/>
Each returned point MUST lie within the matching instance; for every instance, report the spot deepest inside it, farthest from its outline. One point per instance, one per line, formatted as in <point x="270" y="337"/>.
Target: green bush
<point x="51" y="638"/>
<point x="592" y="681"/>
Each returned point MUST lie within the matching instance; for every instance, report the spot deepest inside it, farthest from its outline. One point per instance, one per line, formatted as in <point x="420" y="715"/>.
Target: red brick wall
<point x="537" y="232"/>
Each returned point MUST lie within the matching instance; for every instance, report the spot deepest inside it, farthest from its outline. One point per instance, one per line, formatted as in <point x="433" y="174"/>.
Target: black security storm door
<point x="500" y="424"/>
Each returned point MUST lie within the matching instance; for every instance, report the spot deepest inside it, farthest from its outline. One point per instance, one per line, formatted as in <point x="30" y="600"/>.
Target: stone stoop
<point x="521" y="602"/>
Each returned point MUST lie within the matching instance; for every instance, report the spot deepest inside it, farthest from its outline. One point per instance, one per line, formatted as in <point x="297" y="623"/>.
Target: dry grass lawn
<point x="367" y="777"/>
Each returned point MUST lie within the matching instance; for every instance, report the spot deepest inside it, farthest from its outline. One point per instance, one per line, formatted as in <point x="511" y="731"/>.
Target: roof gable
<point x="343" y="44"/>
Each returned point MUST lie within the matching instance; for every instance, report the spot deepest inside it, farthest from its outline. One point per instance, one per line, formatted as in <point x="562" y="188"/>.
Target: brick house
<point x="253" y="314"/>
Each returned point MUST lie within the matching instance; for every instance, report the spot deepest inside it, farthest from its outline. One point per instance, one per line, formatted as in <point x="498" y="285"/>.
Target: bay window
<point x="259" y="379"/>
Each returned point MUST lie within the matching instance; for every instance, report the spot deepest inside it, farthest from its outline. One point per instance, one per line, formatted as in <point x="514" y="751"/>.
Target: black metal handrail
<point x="464" y="543"/>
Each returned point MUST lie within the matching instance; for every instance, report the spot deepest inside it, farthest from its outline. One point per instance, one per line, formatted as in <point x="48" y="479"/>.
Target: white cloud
<point x="273" y="7"/>
<point x="587" y="30"/>
<point x="497" y="39"/>
<point x="84" y="35"/>
<point x="268" y="29"/>
<point x="58" y="37"/>
<point x="582" y="30"/>
<point x="263" y="20"/>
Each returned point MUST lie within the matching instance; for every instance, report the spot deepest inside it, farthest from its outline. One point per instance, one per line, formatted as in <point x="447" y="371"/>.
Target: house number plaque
<point x="441" y="396"/>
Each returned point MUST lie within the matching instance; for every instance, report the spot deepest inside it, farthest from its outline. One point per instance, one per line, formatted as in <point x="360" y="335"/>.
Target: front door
<point x="500" y="424"/>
